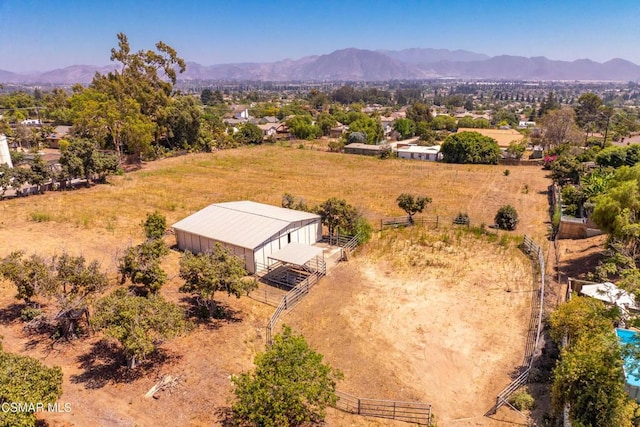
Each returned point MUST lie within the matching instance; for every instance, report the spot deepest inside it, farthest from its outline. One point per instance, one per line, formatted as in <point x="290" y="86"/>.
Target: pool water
<point x="629" y="337"/>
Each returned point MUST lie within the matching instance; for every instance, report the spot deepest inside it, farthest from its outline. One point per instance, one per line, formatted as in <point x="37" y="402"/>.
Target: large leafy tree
<point x="128" y="106"/>
<point x="405" y="127"/>
<point x="141" y="265"/>
<point x="138" y="323"/>
<point x="370" y="126"/>
<point x="470" y="147"/>
<point x="412" y="204"/>
<point x="26" y="380"/>
<point x="302" y="126"/>
<point x="559" y="128"/>
<point x="82" y="159"/>
<point x="248" y="133"/>
<point x="74" y="285"/>
<point x="219" y="270"/>
<point x="419" y="112"/>
<point x="338" y="215"/>
<point x="589" y="375"/>
<point x="31" y="275"/>
<point x="588" y="112"/>
<point x="69" y="280"/>
<point x="290" y="385"/>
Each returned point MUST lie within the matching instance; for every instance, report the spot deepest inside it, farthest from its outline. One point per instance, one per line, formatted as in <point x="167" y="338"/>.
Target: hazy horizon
<point x="51" y="35"/>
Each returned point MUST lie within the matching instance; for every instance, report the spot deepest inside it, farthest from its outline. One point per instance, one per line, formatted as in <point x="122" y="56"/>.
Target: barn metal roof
<point x="296" y="253"/>
<point x="245" y="224"/>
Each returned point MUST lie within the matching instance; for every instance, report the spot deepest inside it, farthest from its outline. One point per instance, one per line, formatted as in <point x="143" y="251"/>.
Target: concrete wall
<point x="577" y="229"/>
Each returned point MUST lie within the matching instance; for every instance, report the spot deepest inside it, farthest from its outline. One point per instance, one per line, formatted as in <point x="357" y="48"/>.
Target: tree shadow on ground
<point x="11" y="313"/>
<point x="577" y="266"/>
<point x="222" y="314"/>
<point x="105" y="363"/>
<point x="225" y="416"/>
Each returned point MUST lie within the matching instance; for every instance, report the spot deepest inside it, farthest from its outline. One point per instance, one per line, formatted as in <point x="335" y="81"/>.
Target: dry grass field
<point x="423" y="310"/>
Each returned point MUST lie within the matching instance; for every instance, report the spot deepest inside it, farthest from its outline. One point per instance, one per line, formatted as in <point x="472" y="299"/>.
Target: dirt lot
<point x="447" y="332"/>
<point x="447" y="329"/>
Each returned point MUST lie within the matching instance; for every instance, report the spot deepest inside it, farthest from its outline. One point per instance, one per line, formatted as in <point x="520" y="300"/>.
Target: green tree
<point x="82" y="159"/>
<point x="301" y="126"/>
<point x="412" y="204"/>
<point x="205" y="96"/>
<point x="155" y="225"/>
<point x="183" y="121"/>
<point x="587" y="112"/>
<point x="26" y="380"/>
<point x="516" y="149"/>
<point x="370" y="126"/>
<point x="31" y="275"/>
<point x="589" y="375"/>
<point x="559" y="128"/>
<point x="218" y="270"/>
<point x="567" y="169"/>
<point x="470" y="147"/>
<point x="6" y="175"/>
<point x="507" y="218"/>
<point x="337" y="215"/>
<point x="138" y="323"/>
<point x="578" y="317"/>
<point x="419" y="112"/>
<point x="325" y="122"/>
<point x="613" y="156"/>
<point x="290" y="385"/>
<point x="548" y="104"/>
<point x="248" y="133"/>
<point x="113" y="119"/>
<point x="444" y="122"/>
<point x="141" y="265"/>
<point x="405" y="127"/>
<point x="74" y="285"/>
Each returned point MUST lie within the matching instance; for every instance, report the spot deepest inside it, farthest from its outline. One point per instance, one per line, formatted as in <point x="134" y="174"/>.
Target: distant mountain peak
<point x="354" y="64"/>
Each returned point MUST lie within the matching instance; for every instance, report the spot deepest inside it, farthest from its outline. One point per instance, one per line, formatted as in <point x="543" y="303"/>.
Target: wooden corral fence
<point x="411" y="412"/>
<point x="404" y="221"/>
<point x="532" y="249"/>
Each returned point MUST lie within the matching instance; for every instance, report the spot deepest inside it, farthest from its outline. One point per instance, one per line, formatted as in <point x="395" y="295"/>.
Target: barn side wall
<point x="305" y="232"/>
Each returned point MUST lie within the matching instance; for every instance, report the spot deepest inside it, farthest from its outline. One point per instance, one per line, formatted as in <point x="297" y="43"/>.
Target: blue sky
<point x="43" y="35"/>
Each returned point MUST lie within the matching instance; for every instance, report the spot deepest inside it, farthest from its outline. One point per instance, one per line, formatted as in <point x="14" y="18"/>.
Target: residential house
<point x="59" y="133"/>
<point x="419" y="152"/>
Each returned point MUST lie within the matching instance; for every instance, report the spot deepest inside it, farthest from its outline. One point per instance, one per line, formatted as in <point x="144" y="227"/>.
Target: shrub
<point x="29" y="313"/>
<point x="507" y="218"/>
<point x="521" y="400"/>
<point x="506" y="172"/>
<point x="40" y="217"/>
<point x="462" y="218"/>
<point x="155" y="225"/>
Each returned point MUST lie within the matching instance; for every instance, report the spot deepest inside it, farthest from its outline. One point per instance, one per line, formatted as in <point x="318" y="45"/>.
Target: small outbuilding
<point x="419" y="152"/>
<point x="256" y="232"/>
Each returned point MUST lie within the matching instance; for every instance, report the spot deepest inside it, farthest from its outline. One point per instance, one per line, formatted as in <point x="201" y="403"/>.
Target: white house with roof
<point x="260" y="234"/>
<point x="419" y="152"/>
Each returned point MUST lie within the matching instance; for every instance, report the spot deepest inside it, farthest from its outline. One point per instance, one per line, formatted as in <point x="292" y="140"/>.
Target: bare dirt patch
<point x="449" y="328"/>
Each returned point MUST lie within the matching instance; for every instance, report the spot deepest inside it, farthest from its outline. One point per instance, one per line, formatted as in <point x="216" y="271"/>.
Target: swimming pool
<point x="632" y="376"/>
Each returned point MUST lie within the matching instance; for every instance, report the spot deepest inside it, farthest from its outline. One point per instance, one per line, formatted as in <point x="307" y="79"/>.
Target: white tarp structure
<point x="610" y="293"/>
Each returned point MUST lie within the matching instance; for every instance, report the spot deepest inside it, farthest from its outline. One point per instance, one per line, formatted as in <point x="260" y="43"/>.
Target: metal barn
<point x="253" y="231"/>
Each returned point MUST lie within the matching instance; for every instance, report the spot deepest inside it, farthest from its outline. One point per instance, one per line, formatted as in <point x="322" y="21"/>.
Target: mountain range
<point x="367" y="65"/>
